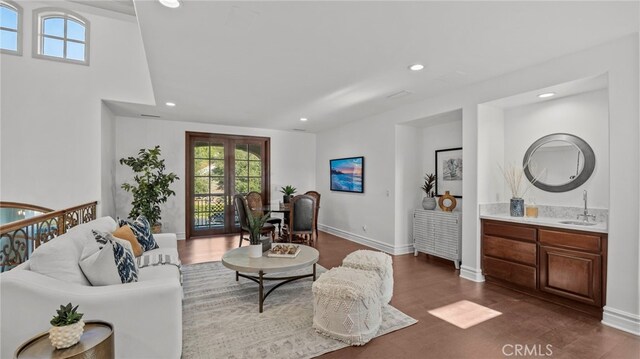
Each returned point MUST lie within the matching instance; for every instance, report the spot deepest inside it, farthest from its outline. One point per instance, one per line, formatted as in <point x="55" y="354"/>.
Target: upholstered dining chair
<point x="315" y="195"/>
<point x="243" y="210"/>
<point x="254" y="199"/>
<point x="302" y="218"/>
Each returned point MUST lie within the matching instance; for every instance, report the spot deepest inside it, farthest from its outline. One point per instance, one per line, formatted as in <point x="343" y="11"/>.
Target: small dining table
<point x="284" y="208"/>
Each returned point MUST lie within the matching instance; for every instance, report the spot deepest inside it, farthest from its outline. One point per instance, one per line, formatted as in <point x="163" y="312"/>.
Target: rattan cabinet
<point x="438" y="233"/>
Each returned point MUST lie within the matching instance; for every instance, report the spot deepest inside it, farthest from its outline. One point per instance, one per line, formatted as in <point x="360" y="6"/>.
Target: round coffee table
<point x="239" y="261"/>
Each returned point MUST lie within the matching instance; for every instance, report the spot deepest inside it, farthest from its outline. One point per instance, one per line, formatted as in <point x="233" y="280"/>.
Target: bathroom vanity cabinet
<point x="564" y="266"/>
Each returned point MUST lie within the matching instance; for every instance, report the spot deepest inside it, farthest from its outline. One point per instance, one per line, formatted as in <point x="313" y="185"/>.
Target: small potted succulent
<point x="255" y="228"/>
<point x="429" y="201"/>
<point x="67" y="327"/>
<point x="288" y="192"/>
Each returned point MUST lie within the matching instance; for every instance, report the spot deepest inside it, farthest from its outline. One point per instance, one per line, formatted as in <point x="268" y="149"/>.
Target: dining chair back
<point x="315" y="195"/>
<point x="302" y="217"/>
<point x="254" y="200"/>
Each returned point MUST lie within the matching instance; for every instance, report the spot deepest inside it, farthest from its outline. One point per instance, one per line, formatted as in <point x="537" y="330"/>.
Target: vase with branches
<point x="255" y="224"/>
<point x="288" y="191"/>
<point x="513" y="175"/>
<point x="429" y="201"/>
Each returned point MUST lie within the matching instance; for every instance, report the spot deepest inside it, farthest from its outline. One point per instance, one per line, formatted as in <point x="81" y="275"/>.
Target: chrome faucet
<point x="586" y="214"/>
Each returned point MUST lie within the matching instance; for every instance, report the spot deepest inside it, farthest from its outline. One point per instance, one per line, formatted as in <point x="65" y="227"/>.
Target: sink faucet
<point x="586" y="214"/>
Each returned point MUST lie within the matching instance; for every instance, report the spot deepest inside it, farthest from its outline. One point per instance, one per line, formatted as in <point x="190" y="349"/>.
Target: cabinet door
<point x="571" y="274"/>
<point x="423" y="232"/>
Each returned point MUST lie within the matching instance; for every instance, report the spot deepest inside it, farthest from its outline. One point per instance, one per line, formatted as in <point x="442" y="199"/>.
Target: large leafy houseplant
<point x="152" y="184"/>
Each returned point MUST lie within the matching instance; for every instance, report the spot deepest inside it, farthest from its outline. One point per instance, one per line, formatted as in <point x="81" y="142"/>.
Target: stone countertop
<point x="599" y="227"/>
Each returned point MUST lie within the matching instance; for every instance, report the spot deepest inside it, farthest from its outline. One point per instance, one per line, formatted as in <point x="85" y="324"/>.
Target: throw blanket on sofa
<point x="157" y="259"/>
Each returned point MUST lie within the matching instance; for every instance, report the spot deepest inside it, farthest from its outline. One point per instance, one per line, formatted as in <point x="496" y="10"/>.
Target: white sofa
<point x="146" y="315"/>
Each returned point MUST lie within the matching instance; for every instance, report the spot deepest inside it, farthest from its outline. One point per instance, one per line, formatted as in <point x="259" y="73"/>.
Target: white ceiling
<point x="266" y="64"/>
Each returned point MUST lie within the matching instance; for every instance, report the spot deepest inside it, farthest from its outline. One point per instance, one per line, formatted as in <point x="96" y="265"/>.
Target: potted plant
<point x="255" y="228"/>
<point x="288" y="192"/>
<point x="67" y="327"/>
<point x="151" y="186"/>
<point x="429" y="201"/>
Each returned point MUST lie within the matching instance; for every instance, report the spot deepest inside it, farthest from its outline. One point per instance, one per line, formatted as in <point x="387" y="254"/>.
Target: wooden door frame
<point x="189" y="139"/>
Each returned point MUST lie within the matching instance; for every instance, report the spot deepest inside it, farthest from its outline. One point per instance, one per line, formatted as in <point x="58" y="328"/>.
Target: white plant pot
<point x="255" y="250"/>
<point x="64" y="337"/>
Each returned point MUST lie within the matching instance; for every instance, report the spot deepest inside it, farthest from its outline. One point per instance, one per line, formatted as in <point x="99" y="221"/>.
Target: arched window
<point x="10" y="27"/>
<point x="61" y="35"/>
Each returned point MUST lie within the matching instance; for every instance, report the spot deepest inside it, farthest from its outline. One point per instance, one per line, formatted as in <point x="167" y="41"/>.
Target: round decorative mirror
<point x="559" y="162"/>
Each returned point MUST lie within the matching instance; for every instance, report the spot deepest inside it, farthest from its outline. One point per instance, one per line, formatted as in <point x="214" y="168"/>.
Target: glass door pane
<point x="219" y="167"/>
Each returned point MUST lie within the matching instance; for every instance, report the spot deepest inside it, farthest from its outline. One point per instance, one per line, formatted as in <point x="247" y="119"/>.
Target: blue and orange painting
<point x="347" y="174"/>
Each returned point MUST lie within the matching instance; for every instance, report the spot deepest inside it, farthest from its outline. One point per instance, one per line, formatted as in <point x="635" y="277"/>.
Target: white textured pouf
<point x="379" y="262"/>
<point x="346" y="305"/>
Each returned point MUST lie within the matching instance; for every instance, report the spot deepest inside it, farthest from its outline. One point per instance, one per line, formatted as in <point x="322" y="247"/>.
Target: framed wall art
<point x="449" y="172"/>
<point x="347" y="174"/>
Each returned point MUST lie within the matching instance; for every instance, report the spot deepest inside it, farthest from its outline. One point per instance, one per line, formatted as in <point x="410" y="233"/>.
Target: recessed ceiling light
<point x="416" y="67"/>
<point x="546" y="94"/>
<point x="170" y="104"/>
<point x="303" y="119"/>
<point x="170" y="3"/>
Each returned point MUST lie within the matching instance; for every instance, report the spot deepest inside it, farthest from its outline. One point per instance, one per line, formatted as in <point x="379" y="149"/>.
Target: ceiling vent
<point x="398" y="94"/>
<point x="300" y="129"/>
<point x="147" y="115"/>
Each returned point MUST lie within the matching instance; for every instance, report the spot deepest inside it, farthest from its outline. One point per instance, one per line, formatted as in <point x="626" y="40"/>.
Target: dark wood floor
<point x="423" y="283"/>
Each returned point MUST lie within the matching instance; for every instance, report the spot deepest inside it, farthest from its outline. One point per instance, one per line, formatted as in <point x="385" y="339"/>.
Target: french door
<point x="218" y="167"/>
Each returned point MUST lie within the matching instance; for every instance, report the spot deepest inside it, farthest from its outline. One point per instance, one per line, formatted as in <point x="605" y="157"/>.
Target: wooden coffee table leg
<point x="261" y="290"/>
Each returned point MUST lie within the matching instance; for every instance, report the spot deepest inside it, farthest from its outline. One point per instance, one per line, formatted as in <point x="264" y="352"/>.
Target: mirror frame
<point x="585" y="174"/>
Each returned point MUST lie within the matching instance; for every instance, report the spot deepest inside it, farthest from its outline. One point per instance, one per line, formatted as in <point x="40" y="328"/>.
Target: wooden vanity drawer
<point x="587" y="242"/>
<point x="515" y="273"/>
<point x="510" y="231"/>
<point x="516" y="251"/>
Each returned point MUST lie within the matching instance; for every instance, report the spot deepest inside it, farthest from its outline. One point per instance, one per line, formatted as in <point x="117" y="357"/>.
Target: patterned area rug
<point x="220" y="317"/>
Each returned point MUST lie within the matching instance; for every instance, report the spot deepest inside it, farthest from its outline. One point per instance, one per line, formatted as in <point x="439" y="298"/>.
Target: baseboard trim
<point x="472" y="274"/>
<point x="622" y="320"/>
<point x="369" y="242"/>
<point x="181" y="235"/>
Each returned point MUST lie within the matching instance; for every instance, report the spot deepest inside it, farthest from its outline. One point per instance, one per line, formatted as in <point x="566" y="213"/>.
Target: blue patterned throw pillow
<point x="108" y="261"/>
<point x="142" y="230"/>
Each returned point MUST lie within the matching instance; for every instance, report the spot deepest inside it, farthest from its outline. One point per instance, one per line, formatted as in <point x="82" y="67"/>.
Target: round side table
<point x="96" y="342"/>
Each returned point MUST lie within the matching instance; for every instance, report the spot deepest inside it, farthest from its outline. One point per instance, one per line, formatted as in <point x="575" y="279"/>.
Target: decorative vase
<point x="156" y="228"/>
<point x="429" y="203"/>
<point x="517" y="207"/>
<point x="447" y="197"/>
<point x="286" y="198"/>
<point x="266" y="244"/>
<point x="255" y="250"/>
<point x="64" y="337"/>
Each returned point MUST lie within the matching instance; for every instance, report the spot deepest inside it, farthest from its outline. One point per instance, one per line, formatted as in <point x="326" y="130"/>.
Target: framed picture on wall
<point x="449" y="172"/>
<point x="347" y="174"/>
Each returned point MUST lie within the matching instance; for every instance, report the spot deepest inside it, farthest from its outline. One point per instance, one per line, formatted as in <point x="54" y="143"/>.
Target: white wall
<point x="491" y="185"/>
<point x="441" y="136"/>
<point x="585" y="115"/>
<point x="50" y="130"/>
<point x="292" y="160"/>
<point x="344" y="213"/>
<point x="407" y="185"/>
<point x="373" y="137"/>
<point x="107" y="162"/>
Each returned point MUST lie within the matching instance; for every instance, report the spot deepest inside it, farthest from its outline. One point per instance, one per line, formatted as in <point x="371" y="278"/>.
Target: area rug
<point x="220" y="317"/>
<point x="464" y="314"/>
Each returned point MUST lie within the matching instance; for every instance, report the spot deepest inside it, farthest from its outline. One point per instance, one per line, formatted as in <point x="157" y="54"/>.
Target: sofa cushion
<point x="141" y="228"/>
<point x="127" y="234"/>
<point x="108" y="261"/>
<point x="59" y="257"/>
